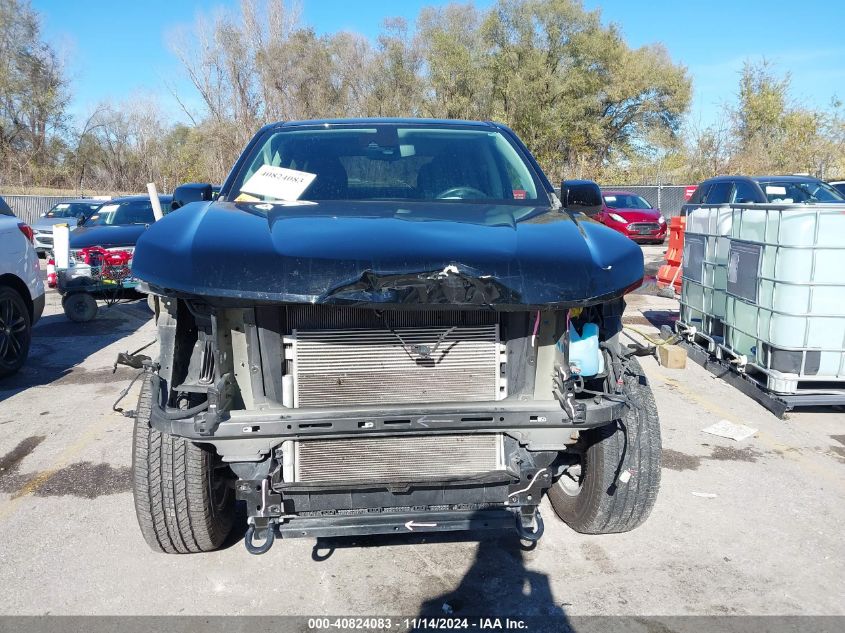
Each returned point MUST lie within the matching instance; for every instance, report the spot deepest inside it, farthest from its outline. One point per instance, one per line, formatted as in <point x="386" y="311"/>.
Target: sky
<point x="118" y="55"/>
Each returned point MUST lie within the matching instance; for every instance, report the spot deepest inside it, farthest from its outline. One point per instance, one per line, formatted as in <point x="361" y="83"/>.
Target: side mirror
<point x="191" y="192"/>
<point x="581" y="195"/>
<point x="80" y="220"/>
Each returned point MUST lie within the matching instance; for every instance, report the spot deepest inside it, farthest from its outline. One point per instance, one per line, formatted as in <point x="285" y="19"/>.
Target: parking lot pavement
<point x="653" y="257"/>
<point x="753" y="527"/>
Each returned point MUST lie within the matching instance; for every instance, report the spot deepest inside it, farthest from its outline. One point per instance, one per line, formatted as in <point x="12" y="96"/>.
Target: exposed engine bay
<point x="337" y="419"/>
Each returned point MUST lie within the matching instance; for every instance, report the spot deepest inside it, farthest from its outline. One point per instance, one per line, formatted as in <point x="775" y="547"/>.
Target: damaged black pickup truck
<point x="425" y="338"/>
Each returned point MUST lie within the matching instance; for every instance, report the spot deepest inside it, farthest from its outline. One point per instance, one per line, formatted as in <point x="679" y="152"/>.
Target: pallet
<point x="778" y="404"/>
<point x="792" y="386"/>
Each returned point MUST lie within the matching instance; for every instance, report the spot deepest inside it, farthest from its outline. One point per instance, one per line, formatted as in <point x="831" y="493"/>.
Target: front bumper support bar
<point x="277" y="422"/>
<point x="397" y="523"/>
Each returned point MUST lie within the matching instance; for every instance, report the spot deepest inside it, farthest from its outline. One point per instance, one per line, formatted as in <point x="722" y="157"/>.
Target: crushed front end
<point x="359" y="420"/>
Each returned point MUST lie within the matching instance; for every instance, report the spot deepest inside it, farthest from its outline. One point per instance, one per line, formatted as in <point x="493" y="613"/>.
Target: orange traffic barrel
<point x="670" y="272"/>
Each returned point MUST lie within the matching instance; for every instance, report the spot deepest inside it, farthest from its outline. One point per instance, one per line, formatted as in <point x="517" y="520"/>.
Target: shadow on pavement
<point x="60" y="345"/>
<point x="497" y="585"/>
<point x="659" y="318"/>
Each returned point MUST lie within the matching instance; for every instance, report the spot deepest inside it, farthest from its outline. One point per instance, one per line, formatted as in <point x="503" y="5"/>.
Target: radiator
<point x="393" y="459"/>
<point x="335" y="367"/>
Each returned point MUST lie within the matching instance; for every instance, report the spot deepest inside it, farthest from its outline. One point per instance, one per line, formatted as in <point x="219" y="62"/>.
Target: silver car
<point x="72" y="212"/>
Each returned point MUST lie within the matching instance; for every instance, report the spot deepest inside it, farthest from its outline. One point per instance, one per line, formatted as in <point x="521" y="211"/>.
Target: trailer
<point x="95" y="274"/>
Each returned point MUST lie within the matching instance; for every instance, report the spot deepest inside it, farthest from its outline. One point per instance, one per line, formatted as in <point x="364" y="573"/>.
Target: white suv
<point x="21" y="291"/>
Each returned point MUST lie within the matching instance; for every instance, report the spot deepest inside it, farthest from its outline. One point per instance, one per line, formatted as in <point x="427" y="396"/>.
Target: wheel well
<point x="16" y="283"/>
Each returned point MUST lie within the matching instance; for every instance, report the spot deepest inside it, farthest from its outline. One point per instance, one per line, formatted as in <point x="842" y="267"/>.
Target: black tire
<point x="79" y="307"/>
<point x="15" y="331"/>
<point x="598" y="502"/>
<point x="183" y="502"/>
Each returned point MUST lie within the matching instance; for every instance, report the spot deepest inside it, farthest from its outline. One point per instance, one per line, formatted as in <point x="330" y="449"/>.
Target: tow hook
<point x="530" y="535"/>
<point x="258" y="494"/>
<point x="269" y="539"/>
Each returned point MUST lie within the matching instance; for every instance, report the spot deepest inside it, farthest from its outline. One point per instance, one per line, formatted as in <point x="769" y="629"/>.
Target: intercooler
<point x="394" y="459"/>
<point x="396" y="365"/>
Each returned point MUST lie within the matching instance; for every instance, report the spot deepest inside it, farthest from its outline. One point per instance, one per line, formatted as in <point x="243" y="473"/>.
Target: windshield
<point x="786" y="192"/>
<point x="626" y="201"/>
<point x="390" y="162"/>
<point x="135" y="212"/>
<point x="72" y="210"/>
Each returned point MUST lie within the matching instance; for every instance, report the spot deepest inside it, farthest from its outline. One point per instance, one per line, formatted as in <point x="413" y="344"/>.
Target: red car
<point x="632" y="216"/>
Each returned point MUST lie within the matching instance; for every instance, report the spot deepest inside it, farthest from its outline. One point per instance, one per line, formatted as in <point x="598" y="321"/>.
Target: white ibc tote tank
<point x="785" y="306"/>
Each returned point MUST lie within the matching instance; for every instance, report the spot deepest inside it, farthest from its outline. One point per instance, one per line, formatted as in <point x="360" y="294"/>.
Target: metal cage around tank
<point x="781" y="272"/>
<point x="785" y="308"/>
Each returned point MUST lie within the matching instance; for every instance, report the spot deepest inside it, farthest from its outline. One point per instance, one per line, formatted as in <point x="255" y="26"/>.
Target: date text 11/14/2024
<point x="418" y="623"/>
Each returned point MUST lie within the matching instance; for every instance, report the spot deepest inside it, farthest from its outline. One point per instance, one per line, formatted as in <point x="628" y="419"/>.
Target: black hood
<point x="433" y="253"/>
<point x="107" y="236"/>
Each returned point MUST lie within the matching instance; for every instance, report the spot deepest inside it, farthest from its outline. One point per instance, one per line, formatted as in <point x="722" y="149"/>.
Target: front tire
<point x="15" y="331"/>
<point x="183" y="501"/>
<point x="590" y="496"/>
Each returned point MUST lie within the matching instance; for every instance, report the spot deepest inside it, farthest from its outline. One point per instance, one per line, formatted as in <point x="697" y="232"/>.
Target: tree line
<point x="586" y="103"/>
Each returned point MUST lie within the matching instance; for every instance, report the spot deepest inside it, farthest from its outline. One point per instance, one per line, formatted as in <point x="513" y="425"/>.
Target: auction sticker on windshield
<point x="278" y="183"/>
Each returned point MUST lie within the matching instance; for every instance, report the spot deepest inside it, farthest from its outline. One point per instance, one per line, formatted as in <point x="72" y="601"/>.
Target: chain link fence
<point x="668" y="198"/>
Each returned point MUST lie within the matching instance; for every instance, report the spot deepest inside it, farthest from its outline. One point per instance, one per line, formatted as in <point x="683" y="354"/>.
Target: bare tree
<point x="33" y="96"/>
<point x="709" y="149"/>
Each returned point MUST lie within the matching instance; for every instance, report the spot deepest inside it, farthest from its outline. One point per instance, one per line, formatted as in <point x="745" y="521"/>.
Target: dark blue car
<point x="389" y="326"/>
<point x="101" y="252"/>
